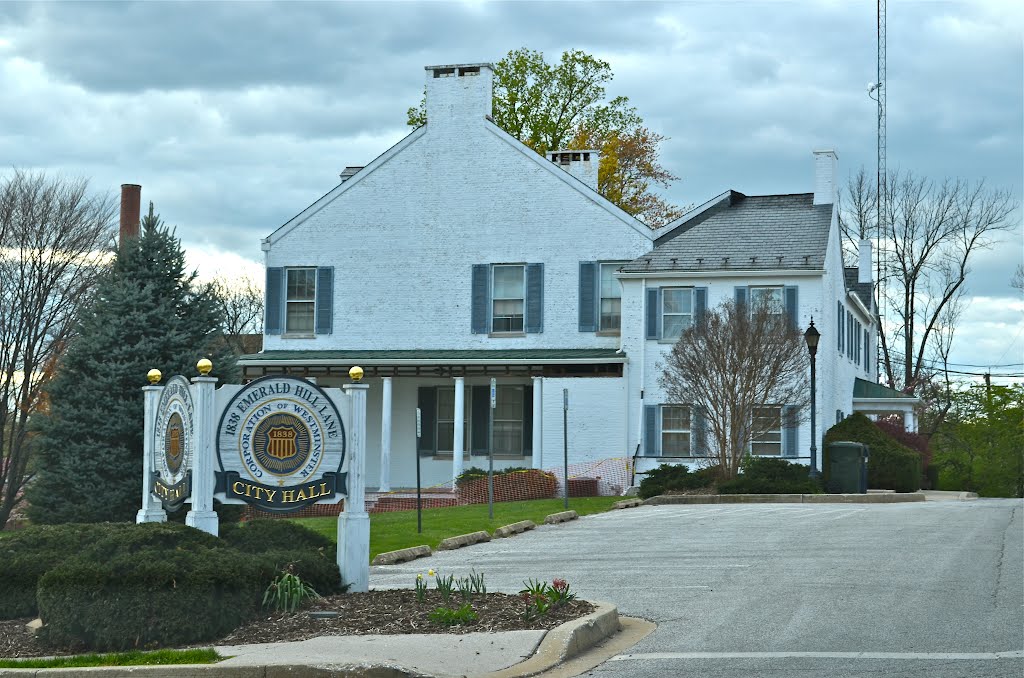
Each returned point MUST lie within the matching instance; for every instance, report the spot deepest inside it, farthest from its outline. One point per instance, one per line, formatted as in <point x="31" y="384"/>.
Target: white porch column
<point x="909" y="421"/>
<point x="538" y="420"/>
<point x="385" y="437"/>
<point x="460" y="427"/>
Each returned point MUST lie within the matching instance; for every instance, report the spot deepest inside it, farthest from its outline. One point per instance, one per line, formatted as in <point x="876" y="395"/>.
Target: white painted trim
<point x="325" y="200"/>
<point x="427" y="362"/>
<point x="860" y="305"/>
<point x="570" y="180"/>
<point x="459" y="442"/>
<point x="865" y="404"/>
<point x="385" y="436"/>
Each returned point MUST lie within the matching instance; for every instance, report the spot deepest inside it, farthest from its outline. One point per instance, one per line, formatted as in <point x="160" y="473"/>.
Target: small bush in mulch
<point x="675" y="478"/>
<point x="767" y="475"/>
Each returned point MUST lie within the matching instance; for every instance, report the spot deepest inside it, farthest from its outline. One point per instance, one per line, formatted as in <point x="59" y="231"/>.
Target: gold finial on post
<point x="204" y="366"/>
<point x="356" y="373"/>
<point x="154" y="376"/>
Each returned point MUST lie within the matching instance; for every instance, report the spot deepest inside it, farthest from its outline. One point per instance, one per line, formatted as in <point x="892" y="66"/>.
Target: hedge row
<point x="766" y="475"/>
<point x="891" y="466"/>
<point x="675" y="478"/>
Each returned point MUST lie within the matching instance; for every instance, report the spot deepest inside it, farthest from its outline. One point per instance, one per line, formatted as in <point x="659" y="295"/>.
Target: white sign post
<point x="151" y="511"/>
<point x="354" y="521"/>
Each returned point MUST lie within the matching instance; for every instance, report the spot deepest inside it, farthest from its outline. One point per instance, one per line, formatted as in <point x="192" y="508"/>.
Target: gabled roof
<point x="743" y="233"/>
<point x="862" y="290"/>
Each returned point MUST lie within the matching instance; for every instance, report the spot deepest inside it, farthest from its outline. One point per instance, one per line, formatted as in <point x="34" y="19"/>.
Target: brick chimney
<point x="458" y="94"/>
<point x="131" y="200"/>
<point x="581" y="164"/>
<point x="825" y="177"/>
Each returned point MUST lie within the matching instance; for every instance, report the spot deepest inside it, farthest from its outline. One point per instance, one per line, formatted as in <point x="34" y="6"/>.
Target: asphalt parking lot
<point x="932" y="589"/>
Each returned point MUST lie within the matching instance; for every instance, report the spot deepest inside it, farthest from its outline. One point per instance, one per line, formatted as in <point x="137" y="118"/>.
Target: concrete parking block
<point x="514" y="528"/>
<point x="402" y="555"/>
<point x="463" y="540"/>
<point x="560" y="517"/>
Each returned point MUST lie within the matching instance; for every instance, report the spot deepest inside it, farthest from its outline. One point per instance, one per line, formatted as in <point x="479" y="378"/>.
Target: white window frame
<point x="767" y="437"/>
<point x="601" y="327"/>
<point x="290" y="302"/>
<point x="688" y="431"/>
<point x="512" y="319"/>
<point x="753" y="291"/>
<point x="687" y="317"/>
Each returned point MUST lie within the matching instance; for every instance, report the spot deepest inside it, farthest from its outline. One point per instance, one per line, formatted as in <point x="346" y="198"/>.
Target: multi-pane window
<point x="446" y="421"/>
<point x="300" y="300"/>
<point x="508" y="298"/>
<point x="508" y="420"/>
<point x="611" y="299"/>
<point x="676" y="311"/>
<point x="675" y="431"/>
<point x="767" y="295"/>
<point x="767" y="431"/>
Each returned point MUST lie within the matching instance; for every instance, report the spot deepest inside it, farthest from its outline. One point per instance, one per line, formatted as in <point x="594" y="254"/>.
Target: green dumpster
<point x="845" y="467"/>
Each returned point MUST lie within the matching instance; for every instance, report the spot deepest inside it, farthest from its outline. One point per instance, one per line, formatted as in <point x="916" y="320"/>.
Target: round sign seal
<point x="281" y="445"/>
<point x="175" y="441"/>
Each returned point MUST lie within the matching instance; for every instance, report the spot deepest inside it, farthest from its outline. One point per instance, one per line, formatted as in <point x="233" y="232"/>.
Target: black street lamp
<point x="811" y="336"/>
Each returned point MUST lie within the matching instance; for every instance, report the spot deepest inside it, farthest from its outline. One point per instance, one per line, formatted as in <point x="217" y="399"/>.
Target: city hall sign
<point x="280" y="446"/>
<point x="175" y="444"/>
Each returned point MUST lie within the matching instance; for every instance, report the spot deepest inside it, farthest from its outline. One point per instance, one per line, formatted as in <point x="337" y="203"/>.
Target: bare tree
<point x="931" y="232"/>
<point x="241" y="309"/>
<point x="54" y="241"/>
<point x="734" y="362"/>
<point x="1017" y="282"/>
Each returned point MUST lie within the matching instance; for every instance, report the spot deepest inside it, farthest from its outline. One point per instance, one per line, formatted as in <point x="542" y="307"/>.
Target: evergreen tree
<point x="147" y="312"/>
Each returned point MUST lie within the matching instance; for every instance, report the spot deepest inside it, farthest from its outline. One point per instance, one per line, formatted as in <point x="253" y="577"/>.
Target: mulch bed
<point x="376" y="612"/>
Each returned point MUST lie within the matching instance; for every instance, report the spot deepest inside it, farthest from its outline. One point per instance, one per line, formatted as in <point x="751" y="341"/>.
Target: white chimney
<point x="864" y="267"/>
<point x="582" y="164"/>
<point x="457" y="94"/>
<point x="825" y="177"/>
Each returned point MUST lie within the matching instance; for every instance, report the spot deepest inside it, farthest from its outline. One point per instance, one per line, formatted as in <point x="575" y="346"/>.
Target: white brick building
<point x="460" y="255"/>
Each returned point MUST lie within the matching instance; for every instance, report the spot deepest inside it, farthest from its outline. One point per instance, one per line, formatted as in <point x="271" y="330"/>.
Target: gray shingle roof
<point x="862" y="290"/>
<point x="744" y="233"/>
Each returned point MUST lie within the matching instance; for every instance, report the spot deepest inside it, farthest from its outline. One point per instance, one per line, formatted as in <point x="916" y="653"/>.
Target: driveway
<point x="932" y="589"/>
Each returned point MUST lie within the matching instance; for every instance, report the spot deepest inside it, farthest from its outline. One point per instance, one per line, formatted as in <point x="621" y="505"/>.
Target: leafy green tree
<point x="147" y="312"/>
<point x="980" y="446"/>
<point x="563" y="105"/>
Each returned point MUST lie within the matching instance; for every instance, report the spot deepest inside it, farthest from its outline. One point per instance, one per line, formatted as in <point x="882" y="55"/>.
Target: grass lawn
<point x="133" y="658"/>
<point x="397" y="530"/>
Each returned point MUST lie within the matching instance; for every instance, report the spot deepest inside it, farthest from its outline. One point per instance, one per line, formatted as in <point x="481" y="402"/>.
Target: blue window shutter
<point x="273" y="312"/>
<point x="588" y="295"/>
<point x="652" y="431"/>
<point x="839" y="325"/>
<point x="481" y="298"/>
<point x="792" y="306"/>
<point x="789" y="431"/>
<point x="653" y="313"/>
<point x="700" y="304"/>
<point x="479" y="411"/>
<point x="427" y="402"/>
<point x="324" y="299"/>
<point x="741" y="299"/>
<point x="867" y="348"/>
<point x="534" y="298"/>
<point x="699" y="439"/>
<point x="527" y="420"/>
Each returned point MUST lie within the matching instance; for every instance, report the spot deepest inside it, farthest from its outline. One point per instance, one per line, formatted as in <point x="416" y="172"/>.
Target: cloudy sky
<point x="235" y="116"/>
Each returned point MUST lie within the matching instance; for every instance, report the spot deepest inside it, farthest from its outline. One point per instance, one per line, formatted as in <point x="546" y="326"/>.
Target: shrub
<point x="767" y="475"/>
<point x="675" y="478"/>
<point x="148" y="598"/>
<point x="891" y="466"/>
<point x="260" y="536"/>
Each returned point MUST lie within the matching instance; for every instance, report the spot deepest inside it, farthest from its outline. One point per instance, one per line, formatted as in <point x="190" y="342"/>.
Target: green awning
<point x="873" y="391"/>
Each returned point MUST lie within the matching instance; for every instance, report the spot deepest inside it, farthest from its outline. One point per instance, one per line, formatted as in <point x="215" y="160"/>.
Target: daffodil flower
<point x="430" y="572"/>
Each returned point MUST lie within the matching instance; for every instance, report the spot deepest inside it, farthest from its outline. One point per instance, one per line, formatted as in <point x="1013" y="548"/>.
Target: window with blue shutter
<point x="324" y="299"/>
<point x="588" y="296"/>
<point x="839" y="325"/>
<point x="273" y="312"/>
<point x="790" y="423"/>
<point x="792" y="306"/>
<point x="741" y="299"/>
<point x="652" y="433"/>
<point x="653" y="313"/>
<point x="534" y="298"/>
<point x="700" y="433"/>
<point x="481" y="299"/>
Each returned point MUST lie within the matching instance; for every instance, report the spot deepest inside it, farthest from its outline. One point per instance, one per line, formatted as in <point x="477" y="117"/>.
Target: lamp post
<point x="811" y="336"/>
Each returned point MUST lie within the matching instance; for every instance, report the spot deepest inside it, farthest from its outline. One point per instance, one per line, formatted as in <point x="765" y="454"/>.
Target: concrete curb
<point x="463" y="540"/>
<point x="894" y="498"/>
<point x="402" y="555"/>
<point x="560" y="517"/>
<point x="514" y="528"/>
<point x="567" y="641"/>
<point x="627" y="503"/>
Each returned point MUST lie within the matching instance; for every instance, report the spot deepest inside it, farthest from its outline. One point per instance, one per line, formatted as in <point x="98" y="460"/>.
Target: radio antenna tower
<point x="877" y="92"/>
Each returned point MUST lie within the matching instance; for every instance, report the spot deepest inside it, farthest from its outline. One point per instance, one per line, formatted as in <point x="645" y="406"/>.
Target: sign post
<point x="151" y="511"/>
<point x="202" y="516"/>
<point x="490" y="448"/>
<point x="354" y="521"/>
<point x="419" y="496"/>
<point x="565" y="442"/>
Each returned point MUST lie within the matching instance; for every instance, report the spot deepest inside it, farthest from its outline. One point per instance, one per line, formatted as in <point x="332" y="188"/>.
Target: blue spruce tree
<point x="147" y="312"/>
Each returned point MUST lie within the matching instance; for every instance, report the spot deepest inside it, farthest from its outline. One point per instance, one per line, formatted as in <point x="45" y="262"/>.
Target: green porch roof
<point x="873" y="391"/>
<point x="534" y="355"/>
